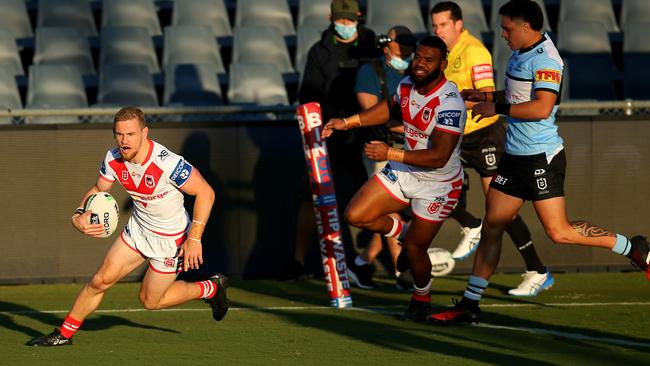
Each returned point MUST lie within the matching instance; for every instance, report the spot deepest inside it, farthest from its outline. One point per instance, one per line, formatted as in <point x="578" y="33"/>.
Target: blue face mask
<point x="345" y="31"/>
<point x="399" y="64"/>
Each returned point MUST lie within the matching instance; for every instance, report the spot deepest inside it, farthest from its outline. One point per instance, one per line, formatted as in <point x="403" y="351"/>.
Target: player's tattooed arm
<point x="590" y="230"/>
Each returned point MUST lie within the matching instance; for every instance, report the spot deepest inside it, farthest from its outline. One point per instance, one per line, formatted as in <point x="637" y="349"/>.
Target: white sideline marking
<point x="385" y="310"/>
<point x="556" y="333"/>
<point x="321" y="307"/>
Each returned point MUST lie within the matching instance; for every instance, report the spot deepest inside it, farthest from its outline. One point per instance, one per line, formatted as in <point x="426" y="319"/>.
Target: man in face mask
<point x="378" y="80"/>
<point x="329" y="76"/>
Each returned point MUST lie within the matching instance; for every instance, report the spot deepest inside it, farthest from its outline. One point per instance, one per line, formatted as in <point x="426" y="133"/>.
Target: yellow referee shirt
<point x="470" y="67"/>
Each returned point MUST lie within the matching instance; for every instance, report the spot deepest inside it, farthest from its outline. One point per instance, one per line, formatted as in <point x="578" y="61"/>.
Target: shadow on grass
<point x="96" y="322"/>
<point x="497" y="346"/>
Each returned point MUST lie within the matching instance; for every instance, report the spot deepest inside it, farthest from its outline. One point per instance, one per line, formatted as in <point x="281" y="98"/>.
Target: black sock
<point x="520" y="235"/>
<point x="468" y="302"/>
<point x="464" y="218"/>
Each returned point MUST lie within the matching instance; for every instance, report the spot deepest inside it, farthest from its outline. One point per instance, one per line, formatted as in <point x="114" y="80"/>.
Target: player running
<point x="159" y="229"/>
<point x="427" y="174"/>
<point x="533" y="166"/>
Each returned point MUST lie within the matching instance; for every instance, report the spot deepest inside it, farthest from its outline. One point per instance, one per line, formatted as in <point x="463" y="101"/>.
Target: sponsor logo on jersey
<point x="451" y="95"/>
<point x="125" y="175"/>
<point x="426" y="114"/>
<point x="548" y="75"/>
<point x="541" y="183"/>
<point x="450" y="118"/>
<point x="499" y="179"/>
<point x="102" y="169"/>
<point x="389" y="174"/>
<point x="405" y="102"/>
<point x="181" y="172"/>
<point x="539" y="172"/>
<point x="163" y="155"/>
<point x="170" y="262"/>
<point x="457" y="63"/>
<point x="482" y="72"/>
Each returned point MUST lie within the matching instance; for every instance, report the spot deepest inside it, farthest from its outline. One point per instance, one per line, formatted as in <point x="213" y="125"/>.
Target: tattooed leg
<point x="590" y="230"/>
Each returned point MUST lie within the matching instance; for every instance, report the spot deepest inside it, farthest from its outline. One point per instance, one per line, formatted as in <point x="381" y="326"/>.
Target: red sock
<point x="208" y="289"/>
<point x="70" y="326"/>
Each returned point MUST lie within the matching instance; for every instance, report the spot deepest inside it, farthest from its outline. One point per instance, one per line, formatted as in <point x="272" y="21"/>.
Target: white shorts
<point x="430" y="201"/>
<point x="162" y="250"/>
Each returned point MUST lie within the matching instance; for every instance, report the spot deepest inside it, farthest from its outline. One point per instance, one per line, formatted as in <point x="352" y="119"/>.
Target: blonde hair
<point x="128" y="113"/>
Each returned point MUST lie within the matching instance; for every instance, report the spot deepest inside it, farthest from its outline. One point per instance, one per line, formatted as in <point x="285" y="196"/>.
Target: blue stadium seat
<point x="192" y="85"/>
<point x="261" y="44"/>
<point x="9" y="56"/>
<point x="634" y="11"/>
<point x="63" y="46"/>
<point x="404" y="12"/>
<point x="256" y="84"/>
<point x="126" y="84"/>
<point x="127" y="45"/>
<point x="191" y="44"/>
<point x="211" y="13"/>
<point x="600" y="11"/>
<point x="55" y="87"/>
<point x="131" y="13"/>
<point x="313" y="13"/>
<point x="308" y="35"/>
<point x="585" y="46"/>
<point x="271" y="13"/>
<point x="636" y="58"/>
<point x="500" y="56"/>
<point x="9" y="95"/>
<point x="15" y="19"/>
<point x="67" y="13"/>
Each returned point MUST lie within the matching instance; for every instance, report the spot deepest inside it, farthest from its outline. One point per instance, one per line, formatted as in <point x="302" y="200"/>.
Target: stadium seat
<point x="261" y="44"/>
<point x="495" y="18"/>
<point x="67" y="13"/>
<point x="307" y="36"/>
<point x="55" y="87"/>
<point x="600" y="11"/>
<point x="64" y="46"/>
<point x="634" y="10"/>
<point x="500" y="56"/>
<point x="9" y="95"/>
<point x="256" y="84"/>
<point x="126" y="84"/>
<point x="636" y="58"/>
<point x="127" y="45"/>
<point x="405" y="12"/>
<point x="313" y="13"/>
<point x="191" y="44"/>
<point x="473" y="16"/>
<point x="131" y="13"/>
<point x="211" y="13"/>
<point x="585" y="46"/>
<point x="15" y="19"/>
<point x="192" y="85"/>
<point x="9" y="56"/>
<point x="273" y="13"/>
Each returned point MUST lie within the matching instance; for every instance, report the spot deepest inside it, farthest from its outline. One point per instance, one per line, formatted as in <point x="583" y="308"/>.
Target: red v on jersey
<point x="417" y="127"/>
<point x="148" y="181"/>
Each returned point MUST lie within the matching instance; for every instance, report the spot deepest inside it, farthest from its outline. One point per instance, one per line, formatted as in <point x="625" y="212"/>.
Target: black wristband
<point x="502" y="108"/>
<point x="79" y="211"/>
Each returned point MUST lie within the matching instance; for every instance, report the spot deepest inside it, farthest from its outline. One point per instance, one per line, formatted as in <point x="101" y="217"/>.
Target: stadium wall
<point x="255" y="168"/>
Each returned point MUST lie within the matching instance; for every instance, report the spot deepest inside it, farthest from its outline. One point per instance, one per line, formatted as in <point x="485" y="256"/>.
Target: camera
<point x="381" y="40"/>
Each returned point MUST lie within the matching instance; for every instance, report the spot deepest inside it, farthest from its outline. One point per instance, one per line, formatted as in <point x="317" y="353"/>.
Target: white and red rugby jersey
<point x="442" y="110"/>
<point x="153" y="185"/>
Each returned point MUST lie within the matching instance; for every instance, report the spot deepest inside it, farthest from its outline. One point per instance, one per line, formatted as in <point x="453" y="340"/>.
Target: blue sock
<point x="475" y="288"/>
<point x="622" y="246"/>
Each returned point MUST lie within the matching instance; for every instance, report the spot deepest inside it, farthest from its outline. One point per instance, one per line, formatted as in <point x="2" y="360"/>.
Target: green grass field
<point x="585" y="319"/>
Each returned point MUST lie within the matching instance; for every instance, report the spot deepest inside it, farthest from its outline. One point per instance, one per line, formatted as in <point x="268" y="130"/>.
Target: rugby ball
<point x="105" y="211"/>
<point x="442" y="263"/>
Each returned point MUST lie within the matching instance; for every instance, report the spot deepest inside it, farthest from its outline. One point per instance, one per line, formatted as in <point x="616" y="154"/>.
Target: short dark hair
<point x="128" y="113"/>
<point x="434" y="42"/>
<point x="452" y="7"/>
<point x="525" y="10"/>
